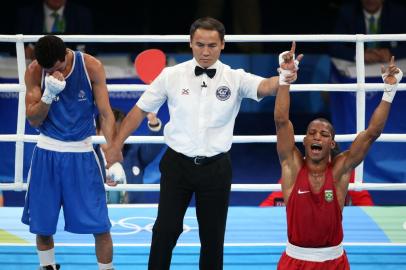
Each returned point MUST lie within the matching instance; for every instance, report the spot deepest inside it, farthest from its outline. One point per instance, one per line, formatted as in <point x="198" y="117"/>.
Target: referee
<point x="204" y="97"/>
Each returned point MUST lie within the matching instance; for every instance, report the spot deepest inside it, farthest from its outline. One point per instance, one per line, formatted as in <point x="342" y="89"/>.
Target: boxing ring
<point x="375" y="237"/>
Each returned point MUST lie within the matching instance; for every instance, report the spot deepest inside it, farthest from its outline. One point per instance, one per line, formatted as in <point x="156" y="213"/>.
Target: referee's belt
<point x="201" y="160"/>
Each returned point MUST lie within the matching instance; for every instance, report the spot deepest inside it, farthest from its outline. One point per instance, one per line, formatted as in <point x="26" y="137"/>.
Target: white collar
<point x="376" y="15"/>
<point x="48" y="11"/>
<point x="215" y="65"/>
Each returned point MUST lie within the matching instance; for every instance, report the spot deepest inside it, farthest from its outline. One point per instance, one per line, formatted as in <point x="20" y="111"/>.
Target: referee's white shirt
<point x="201" y="118"/>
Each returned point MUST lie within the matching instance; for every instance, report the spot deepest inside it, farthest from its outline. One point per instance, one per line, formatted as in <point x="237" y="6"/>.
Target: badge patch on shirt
<point x="328" y="195"/>
<point x="82" y="95"/>
<point x="223" y="93"/>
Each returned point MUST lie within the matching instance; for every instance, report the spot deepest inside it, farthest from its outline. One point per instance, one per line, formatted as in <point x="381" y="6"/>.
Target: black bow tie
<point x="209" y="71"/>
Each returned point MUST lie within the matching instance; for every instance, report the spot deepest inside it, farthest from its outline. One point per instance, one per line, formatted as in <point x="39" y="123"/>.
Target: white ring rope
<point x="236" y="139"/>
<point x="349" y="87"/>
<point x="234" y="187"/>
<point x="228" y="38"/>
<point x="360" y="88"/>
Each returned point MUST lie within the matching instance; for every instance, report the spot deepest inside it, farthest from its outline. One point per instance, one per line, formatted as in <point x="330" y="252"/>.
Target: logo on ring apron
<point x="328" y="195"/>
<point x="223" y="93"/>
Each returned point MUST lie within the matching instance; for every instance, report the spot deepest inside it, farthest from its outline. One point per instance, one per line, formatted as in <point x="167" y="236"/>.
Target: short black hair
<point x="48" y="50"/>
<point x="324" y="120"/>
<point x="208" y="23"/>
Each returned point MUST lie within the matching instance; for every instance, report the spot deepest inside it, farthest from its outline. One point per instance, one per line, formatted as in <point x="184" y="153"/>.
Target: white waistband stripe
<point x="314" y="254"/>
<point x="48" y="143"/>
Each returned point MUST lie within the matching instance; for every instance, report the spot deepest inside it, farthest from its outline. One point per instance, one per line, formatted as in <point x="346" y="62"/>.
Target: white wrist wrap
<point x="47" y="98"/>
<point x="282" y="76"/>
<point x="116" y="173"/>
<point x="389" y="90"/>
<point x="53" y="87"/>
<point x="284" y="72"/>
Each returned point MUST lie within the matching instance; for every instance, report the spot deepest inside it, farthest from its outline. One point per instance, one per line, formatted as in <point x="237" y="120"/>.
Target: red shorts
<point x="289" y="263"/>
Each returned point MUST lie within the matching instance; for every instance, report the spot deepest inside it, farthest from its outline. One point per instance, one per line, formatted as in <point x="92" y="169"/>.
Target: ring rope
<point x="350" y="87"/>
<point x="228" y="38"/>
<point x="236" y="139"/>
<point x="360" y="87"/>
<point x="234" y="187"/>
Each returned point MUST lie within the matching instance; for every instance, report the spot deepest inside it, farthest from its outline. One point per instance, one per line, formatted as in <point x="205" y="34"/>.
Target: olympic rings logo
<point x="134" y="225"/>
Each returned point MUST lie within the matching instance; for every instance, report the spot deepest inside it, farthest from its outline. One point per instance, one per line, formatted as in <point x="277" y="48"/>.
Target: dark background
<point x="174" y="17"/>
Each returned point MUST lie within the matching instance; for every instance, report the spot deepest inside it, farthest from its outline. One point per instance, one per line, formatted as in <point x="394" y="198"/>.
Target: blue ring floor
<point x="375" y="238"/>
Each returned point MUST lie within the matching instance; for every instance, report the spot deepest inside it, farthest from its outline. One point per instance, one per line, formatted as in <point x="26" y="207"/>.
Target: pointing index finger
<point x="293" y="48"/>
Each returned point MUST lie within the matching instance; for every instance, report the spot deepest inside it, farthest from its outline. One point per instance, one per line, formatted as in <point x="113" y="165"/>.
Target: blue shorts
<point x="68" y="179"/>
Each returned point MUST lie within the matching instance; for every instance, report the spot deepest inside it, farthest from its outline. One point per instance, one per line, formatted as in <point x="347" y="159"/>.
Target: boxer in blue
<point x="64" y="87"/>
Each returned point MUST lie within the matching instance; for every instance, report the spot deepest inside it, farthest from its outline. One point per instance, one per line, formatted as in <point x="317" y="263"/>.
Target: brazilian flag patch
<point x="328" y="195"/>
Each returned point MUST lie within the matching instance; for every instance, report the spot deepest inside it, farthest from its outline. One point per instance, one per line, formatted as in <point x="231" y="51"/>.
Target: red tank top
<point x="314" y="219"/>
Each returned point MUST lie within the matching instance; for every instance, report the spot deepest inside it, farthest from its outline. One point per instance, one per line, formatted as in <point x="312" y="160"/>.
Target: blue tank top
<point x="71" y="115"/>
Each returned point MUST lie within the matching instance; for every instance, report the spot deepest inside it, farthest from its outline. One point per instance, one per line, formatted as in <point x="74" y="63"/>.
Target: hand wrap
<point x="285" y="72"/>
<point x="53" y="87"/>
<point x="116" y="173"/>
<point x="389" y="90"/>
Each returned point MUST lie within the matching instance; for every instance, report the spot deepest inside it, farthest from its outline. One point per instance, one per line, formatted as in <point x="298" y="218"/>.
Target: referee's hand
<point x="113" y="154"/>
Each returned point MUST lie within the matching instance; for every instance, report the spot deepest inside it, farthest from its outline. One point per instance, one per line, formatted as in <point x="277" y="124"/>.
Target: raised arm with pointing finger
<point x="314" y="187"/>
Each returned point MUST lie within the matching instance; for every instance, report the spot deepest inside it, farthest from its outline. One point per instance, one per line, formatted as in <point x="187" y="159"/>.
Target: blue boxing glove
<point x="53" y="87"/>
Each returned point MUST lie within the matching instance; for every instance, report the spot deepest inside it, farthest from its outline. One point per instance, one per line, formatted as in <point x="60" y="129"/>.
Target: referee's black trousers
<point x="211" y="183"/>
